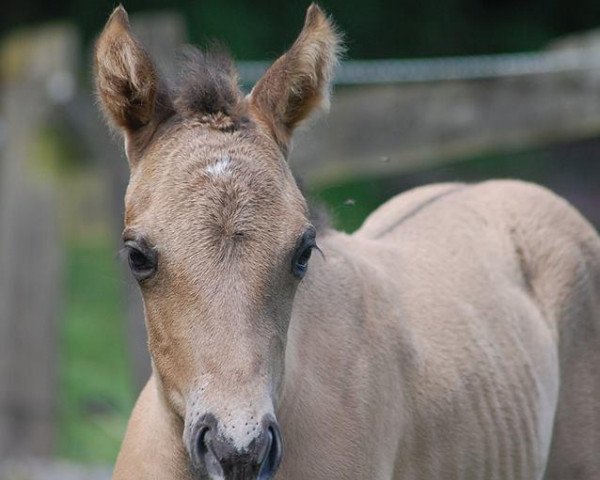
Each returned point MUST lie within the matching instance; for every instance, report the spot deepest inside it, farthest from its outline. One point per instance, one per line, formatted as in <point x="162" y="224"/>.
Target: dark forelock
<point x="207" y="86"/>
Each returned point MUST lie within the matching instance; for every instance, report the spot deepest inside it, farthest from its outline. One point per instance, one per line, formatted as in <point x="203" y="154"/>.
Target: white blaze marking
<point x="220" y="168"/>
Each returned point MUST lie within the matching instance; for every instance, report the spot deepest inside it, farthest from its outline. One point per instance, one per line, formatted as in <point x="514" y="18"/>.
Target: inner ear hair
<point x="127" y="81"/>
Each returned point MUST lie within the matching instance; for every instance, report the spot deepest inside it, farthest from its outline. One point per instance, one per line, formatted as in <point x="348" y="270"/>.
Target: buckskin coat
<point x="455" y="335"/>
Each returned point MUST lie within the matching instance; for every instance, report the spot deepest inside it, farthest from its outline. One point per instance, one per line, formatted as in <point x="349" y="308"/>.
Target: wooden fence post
<point x="30" y="247"/>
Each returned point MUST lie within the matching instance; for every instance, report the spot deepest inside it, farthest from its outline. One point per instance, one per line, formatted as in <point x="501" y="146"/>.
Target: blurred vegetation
<point x="375" y="29"/>
<point x="96" y="389"/>
<point x="566" y="169"/>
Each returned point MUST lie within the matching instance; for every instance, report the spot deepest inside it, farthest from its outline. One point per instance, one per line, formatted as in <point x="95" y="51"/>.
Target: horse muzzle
<point x="247" y="449"/>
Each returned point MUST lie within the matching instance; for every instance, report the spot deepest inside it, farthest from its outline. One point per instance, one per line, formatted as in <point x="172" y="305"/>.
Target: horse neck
<point x="328" y="308"/>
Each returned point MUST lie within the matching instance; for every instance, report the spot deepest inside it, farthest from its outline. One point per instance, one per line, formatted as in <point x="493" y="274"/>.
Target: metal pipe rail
<point x="373" y="72"/>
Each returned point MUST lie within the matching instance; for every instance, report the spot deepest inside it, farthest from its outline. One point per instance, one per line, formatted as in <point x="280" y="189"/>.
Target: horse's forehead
<point x="215" y="200"/>
<point x="192" y="142"/>
<point x="207" y="169"/>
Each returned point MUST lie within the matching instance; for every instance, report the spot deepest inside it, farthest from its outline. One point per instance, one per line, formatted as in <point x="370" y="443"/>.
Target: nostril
<point x="215" y="453"/>
<point x="273" y="454"/>
<point x="201" y="446"/>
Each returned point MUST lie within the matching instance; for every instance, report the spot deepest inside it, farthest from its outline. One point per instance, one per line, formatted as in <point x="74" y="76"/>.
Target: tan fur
<point x="126" y="78"/>
<point x="298" y="83"/>
<point x="454" y="336"/>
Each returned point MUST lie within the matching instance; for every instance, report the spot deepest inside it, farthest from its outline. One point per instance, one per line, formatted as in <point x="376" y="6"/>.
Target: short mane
<point x="207" y="87"/>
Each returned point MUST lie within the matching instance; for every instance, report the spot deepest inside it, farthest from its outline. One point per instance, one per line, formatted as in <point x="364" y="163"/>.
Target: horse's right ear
<point x="127" y="81"/>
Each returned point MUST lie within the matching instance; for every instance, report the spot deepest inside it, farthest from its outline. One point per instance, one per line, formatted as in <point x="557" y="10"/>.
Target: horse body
<point x="436" y="338"/>
<point x="428" y="345"/>
<point x="455" y="335"/>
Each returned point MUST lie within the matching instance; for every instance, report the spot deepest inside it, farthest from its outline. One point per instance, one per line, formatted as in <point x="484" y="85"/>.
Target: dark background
<point x="374" y="29"/>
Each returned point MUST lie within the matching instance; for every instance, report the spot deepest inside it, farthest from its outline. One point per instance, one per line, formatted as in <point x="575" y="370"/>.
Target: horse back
<point x="514" y="279"/>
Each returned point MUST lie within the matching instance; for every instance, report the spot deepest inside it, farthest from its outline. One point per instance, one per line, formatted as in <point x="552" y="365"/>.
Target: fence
<point x="384" y="72"/>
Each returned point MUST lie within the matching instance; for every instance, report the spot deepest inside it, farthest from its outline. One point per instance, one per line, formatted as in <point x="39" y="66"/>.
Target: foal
<point x="454" y="336"/>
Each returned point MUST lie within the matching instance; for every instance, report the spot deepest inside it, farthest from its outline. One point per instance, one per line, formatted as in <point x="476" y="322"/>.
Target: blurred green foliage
<point x="96" y="392"/>
<point x="350" y="202"/>
<point x="375" y="29"/>
<point x="570" y="170"/>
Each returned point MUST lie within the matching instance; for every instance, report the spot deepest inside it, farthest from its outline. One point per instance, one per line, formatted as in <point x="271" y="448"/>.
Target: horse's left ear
<point x="298" y="83"/>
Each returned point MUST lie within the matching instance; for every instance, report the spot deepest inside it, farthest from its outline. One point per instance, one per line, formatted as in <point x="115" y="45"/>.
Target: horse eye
<point x="303" y="253"/>
<point x="142" y="260"/>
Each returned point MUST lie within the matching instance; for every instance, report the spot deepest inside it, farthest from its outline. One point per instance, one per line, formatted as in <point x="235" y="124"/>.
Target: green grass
<point x="96" y="390"/>
<point x="350" y="202"/>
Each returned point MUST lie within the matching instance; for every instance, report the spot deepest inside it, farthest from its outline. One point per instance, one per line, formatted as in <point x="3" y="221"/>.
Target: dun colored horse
<point x="456" y="335"/>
